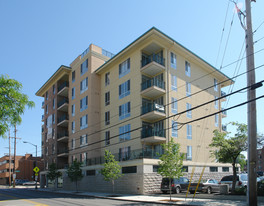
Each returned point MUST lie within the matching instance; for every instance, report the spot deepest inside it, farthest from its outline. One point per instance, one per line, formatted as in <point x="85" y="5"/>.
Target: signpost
<point x="36" y="170"/>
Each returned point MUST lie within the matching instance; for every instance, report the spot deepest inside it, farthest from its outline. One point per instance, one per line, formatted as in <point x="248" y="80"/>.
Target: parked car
<point x="30" y="183"/>
<point x="240" y="183"/>
<point x="177" y="185"/>
<point x="208" y="186"/>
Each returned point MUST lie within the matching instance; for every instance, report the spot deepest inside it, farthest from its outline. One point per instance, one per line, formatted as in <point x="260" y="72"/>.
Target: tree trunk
<point x="76" y="186"/>
<point x="113" y="185"/>
<point x="234" y="178"/>
<point x="170" y="187"/>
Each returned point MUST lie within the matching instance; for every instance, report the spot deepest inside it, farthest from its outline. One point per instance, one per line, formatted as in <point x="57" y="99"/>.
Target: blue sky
<point x="39" y="36"/>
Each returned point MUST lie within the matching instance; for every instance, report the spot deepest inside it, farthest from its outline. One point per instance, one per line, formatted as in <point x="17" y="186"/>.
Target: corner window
<point x="189" y="131"/>
<point x="216" y="103"/>
<point x="107" y="137"/>
<point x="73" y="76"/>
<point x="124" y="89"/>
<point x="83" y="103"/>
<point x="188" y="89"/>
<point x="73" y="93"/>
<point x="174" y="107"/>
<point x="216" y="120"/>
<point x="173" y="60"/>
<point x="53" y="89"/>
<point x="124" y="68"/>
<point x="124" y="133"/>
<point x="83" y="140"/>
<point x="73" y="127"/>
<point x="53" y="103"/>
<point x="174" y="129"/>
<point x="107" y="98"/>
<point x="124" y="111"/>
<point x="84" y="122"/>
<point x="84" y="85"/>
<point x="73" y="144"/>
<point x="107" y="78"/>
<point x="187" y="69"/>
<point x="73" y="110"/>
<point x="189" y="111"/>
<point x="107" y="118"/>
<point x="47" y="95"/>
<point x="215" y="85"/>
<point x="84" y="67"/>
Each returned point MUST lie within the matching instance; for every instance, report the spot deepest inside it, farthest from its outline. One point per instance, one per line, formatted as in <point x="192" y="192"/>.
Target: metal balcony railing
<point x="150" y="132"/>
<point x="64" y="84"/>
<point x="152" y="107"/>
<point x="152" y="82"/>
<point x="62" y="118"/>
<point x="62" y="134"/>
<point x="63" y="101"/>
<point x="153" y="58"/>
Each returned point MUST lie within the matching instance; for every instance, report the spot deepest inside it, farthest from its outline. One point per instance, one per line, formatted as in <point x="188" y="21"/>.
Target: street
<point x="22" y="197"/>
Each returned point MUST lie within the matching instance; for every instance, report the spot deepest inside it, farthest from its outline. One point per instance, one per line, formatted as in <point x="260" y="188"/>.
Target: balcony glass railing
<point x="152" y="58"/>
<point x="152" y="82"/>
<point x="62" y="134"/>
<point x="62" y="118"/>
<point x="64" y="84"/>
<point x="150" y="132"/>
<point x="63" y="101"/>
<point x="152" y="107"/>
<point x="62" y="150"/>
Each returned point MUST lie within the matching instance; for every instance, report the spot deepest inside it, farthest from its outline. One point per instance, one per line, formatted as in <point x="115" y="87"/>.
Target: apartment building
<point x="130" y="103"/>
<point x="24" y="166"/>
<point x="260" y="162"/>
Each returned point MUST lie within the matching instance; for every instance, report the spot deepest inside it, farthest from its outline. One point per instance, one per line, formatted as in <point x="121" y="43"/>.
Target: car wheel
<point x="209" y="190"/>
<point x="177" y="190"/>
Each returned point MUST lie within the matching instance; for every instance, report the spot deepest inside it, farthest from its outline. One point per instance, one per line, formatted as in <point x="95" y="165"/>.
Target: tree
<point x="241" y="160"/>
<point x="75" y="172"/>
<point x="12" y="103"/>
<point x="227" y="149"/>
<point x="171" y="162"/>
<point x="53" y="173"/>
<point x="111" y="170"/>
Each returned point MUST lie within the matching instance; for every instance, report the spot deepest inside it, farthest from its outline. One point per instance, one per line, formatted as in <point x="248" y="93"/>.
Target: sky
<point x="38" y="36"/>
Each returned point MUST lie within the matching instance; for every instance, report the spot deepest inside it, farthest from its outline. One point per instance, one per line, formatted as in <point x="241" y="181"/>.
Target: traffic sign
<point x="36" y="169"/>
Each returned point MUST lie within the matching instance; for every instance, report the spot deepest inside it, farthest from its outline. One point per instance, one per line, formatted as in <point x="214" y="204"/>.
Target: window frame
<point x="187" y="69"/>
<point x="174" y="128"/>
<point x="124" y="111"/>
<point x="173" y="60"/>
<point x="124" y="89"/>
<point x="124" y="68"/>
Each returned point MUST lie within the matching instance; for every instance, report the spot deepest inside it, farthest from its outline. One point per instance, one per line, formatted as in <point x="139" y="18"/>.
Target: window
<point x="189" y="153"/>
<point x="155" y="168"/>
<point x="84" y="85"/>
<point x="53" y="149"/>
<point x="216" y="103"/>
<point x="215" y="85"/>
<point x="53" y="103"/>
<point x="216" y="120"/>
<point x="73" y="93"/>
<point x="73" y="127"/>
<point x="124" y="89"/>
<point x="189" y="131"/>
<point x="53" y="118"/>
<point x="73" y="110"/>
<point x="124" y="111"/>
<point x="53" y="89"/>
<point x="124" y="68"/>
<point x="73" y="158"/>
<point x="173" y="60"/>
<point x="83" y="103"/>
<point x="107" y="118"/>
<point x="53" y="133"/>
<point x="225" y="169"/>
<point x="83" y="140"/>
<point x="213" y="169"/>
<point x="84" y="67"/>
<point x="73" y="76"/>
<point x="84" y="122"/>
<point x="107" y="78"/>
<point x="47" y="111"/>
<point x="173" y="83"/>
<point x="188" y="89"/>
<point x="47" y="95"/>
<point x="174" y="129"/>
<point x="124" y="153"/>
<point x="107" y="98"/>
<point x="124" y="133"/>
<point x="131" y="169"/>
<point x="107" y="137"/>
<point x="174" y="107"/>
<point x="189" y="111"/>
<point x="73" y="143"/>
<point x="90" y="172"/>
<point x="187" y="69"/>
<point x="83" y="158"/>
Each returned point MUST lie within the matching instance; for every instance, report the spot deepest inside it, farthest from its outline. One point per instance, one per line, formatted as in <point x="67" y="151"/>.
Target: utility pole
<point x="251" y="107"/>
<point x="9" y="159"/>
<point x="14" y="169"/>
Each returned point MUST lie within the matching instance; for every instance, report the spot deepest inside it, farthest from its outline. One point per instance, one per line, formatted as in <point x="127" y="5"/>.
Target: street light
<point x="36" y="187"/>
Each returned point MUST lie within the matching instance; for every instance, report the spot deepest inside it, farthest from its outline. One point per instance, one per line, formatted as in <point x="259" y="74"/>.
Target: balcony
<point x="152" y="112"/>
<point x="153" y="88"/>
<point x="62" y="152"/>
<point x="63" y="105"/>
<point x="63" y="136"/>
<point x="63" y="89"/>
<point x="63" y="120"/>
<point x="152" y="135"/>
<point x="224" y="113"/>
<point x="152" y="65"/>
<point x="223" y="94"/>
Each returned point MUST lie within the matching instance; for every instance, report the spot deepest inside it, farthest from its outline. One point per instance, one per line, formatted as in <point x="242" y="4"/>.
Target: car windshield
<point x="244" y="177"/>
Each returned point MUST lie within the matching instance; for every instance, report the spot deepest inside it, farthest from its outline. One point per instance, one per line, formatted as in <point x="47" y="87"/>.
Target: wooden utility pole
<point x="251" y="107"/>
<point x="14" y="169"/>
<point x="10" y="160"/>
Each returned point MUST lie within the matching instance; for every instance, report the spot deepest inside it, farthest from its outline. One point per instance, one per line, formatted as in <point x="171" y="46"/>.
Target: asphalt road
<point x="25" y="197"/>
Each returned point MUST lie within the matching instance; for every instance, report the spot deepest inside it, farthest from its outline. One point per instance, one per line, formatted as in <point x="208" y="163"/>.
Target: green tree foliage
<point x="171" y="162"/>
<point x="12" y="103"/>
<point x="227" y="149"/>
<point x="75" y="172"/>
<point x="241" y="160"/>
<point x="53" y="173"/>
<point x="111" y="170"/>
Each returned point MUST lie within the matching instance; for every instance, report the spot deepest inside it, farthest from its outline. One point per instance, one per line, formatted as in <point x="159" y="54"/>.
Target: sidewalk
<point x="221" y="200"/>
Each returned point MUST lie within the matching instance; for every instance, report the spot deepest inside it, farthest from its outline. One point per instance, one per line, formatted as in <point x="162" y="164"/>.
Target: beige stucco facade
<point x="129" y="108"/>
